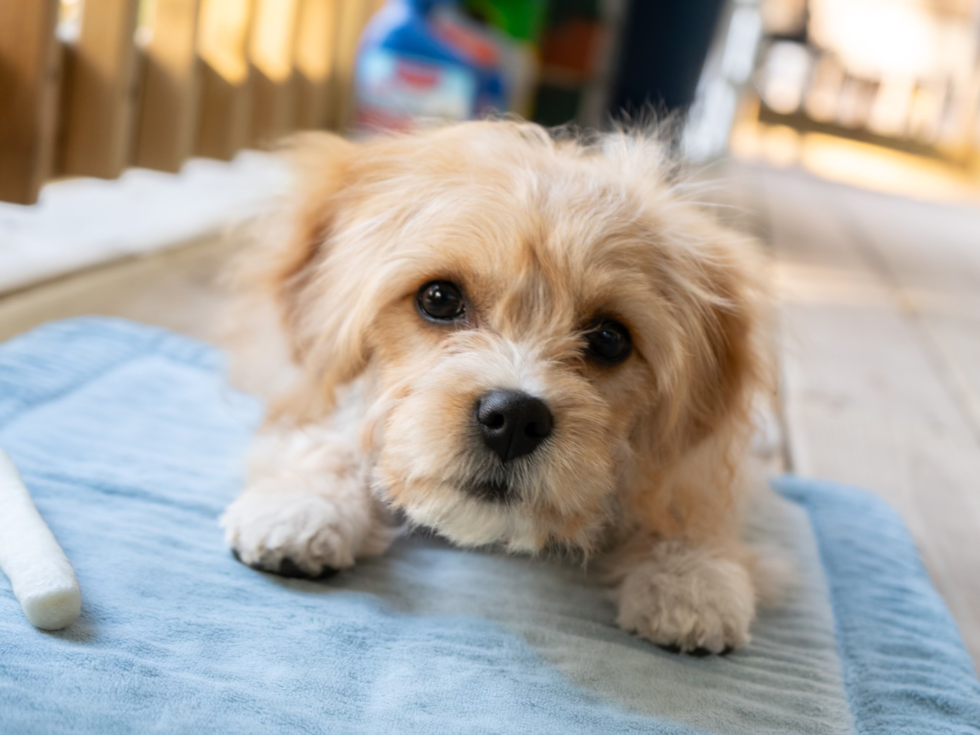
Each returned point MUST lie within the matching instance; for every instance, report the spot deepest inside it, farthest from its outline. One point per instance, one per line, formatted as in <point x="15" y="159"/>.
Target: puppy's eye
<point x="441" y="300"/>
<point x="609" y="342"/>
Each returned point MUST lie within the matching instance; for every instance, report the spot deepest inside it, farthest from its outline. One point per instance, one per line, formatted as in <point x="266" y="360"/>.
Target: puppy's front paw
<point x="687" y="599"/>
<point x="293" y="533"/>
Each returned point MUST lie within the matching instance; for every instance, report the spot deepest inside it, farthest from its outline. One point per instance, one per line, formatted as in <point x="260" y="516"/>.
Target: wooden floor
<point x="174" y="289"/>
<point x="879" y="306"/>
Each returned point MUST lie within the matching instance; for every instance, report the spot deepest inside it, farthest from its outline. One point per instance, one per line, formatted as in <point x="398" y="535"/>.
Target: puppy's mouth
<point x="490" y="491"/>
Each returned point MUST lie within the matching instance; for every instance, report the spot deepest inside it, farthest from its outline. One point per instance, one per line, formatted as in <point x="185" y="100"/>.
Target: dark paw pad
<point x="697" y="652"/>
<point x="288" y="568"/>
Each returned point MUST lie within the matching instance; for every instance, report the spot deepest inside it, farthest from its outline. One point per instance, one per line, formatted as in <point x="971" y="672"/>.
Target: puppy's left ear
<point x="715" y="361"/>
<point x="727" y="357"/>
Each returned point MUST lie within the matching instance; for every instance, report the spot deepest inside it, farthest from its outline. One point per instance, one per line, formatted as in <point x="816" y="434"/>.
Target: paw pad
<point x="287" y="568"/>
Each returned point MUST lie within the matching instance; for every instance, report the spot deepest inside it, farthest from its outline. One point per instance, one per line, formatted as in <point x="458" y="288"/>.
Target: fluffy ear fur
<point x="689" y="481"/>
<point x="272" y="279"/>
<point x="727" y="364"/>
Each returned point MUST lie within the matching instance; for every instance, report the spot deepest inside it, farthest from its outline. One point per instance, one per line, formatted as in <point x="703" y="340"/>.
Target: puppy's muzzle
<point x="513" y="423"/>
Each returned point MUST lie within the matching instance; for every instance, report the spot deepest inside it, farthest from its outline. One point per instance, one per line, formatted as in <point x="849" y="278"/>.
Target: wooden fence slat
<point x="225" y="93"/>
<point x="29" y="58"/>
<point x="271" y="55"/>
<point x="353" y="16"/>
<point x="168" y="110"/>
<point x="315" y="49"/>
<point x="100" y="100"/>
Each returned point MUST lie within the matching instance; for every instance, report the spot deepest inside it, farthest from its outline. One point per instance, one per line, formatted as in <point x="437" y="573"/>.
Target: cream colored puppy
<point x="513" y="340"/>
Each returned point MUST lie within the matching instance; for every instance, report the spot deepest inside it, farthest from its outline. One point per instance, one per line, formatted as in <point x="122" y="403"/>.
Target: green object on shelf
<point x="520" y="19"/>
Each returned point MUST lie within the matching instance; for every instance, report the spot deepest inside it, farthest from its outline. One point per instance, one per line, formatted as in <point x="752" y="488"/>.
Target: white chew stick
<point x="40" y="573"/>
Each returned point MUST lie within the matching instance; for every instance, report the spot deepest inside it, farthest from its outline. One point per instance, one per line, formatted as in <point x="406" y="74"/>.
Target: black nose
<point x="512" y="422"/>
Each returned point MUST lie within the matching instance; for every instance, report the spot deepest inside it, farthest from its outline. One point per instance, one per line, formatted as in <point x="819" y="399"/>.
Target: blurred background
<point x="93" y="87"/>
<point x="880" y="93"/>
<point x="844" y="134"/>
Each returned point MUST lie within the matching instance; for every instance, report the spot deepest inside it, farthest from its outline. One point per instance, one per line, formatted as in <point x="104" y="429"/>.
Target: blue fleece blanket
<point x="132" y="446"/>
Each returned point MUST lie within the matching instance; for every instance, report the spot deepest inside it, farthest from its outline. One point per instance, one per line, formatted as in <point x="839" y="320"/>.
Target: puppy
<point x="515" y="340"/>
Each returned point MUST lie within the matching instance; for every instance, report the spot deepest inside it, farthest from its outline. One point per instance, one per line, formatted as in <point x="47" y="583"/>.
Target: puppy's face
<point x="540" y="328"/>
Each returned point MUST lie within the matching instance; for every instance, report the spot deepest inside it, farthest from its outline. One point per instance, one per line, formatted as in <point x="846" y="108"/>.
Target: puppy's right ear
<point x="271" y="279"/>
